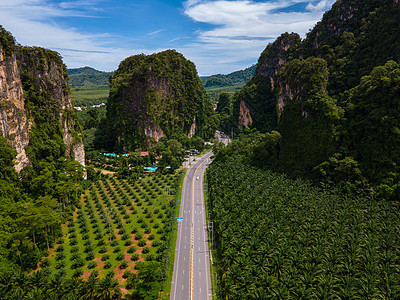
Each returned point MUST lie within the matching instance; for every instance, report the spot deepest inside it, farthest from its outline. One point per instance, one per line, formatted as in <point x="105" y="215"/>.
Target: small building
<point x="153" y="169"/>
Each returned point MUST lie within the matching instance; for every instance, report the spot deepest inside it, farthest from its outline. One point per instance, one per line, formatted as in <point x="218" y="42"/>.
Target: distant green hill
<point x="216" y="84"/>
<point x="88" y="86"/>
<point x="87" y="76"/>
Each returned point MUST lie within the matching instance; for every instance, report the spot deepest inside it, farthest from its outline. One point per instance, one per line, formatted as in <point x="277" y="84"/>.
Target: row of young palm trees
<point x="279" y="238"/>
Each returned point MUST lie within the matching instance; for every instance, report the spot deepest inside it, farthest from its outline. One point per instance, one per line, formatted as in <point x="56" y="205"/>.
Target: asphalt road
<point x="191" y="277"/>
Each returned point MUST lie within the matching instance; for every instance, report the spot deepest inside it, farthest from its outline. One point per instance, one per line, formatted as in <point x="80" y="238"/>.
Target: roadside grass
<point x="167" y="285"/>
<point x="213" y="268"/>
<point x="113" y="216"/>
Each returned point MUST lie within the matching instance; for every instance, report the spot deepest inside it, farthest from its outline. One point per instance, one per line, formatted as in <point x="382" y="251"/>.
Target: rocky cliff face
<point x="276" y="55"/>
<point x="154" y="96"/>
<point x="245" y="119"/>
<point x="34" y="90"/>
<point x="14" y="123"/>
<point x="255" y="105"/>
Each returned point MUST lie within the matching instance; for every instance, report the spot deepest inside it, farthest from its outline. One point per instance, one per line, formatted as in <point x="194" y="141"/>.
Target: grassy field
<point x="118" y="225"/>
<point x="92" y="95"/>
<point x="213" y="92"/>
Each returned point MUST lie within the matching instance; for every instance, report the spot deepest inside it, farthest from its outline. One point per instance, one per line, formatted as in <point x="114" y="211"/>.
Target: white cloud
<point x="320" y="6"/>
<point x="248" y="26"/>
<point x="155" y="32"/>
<point x="31" y="22"/>
<point x="238" y="30"/>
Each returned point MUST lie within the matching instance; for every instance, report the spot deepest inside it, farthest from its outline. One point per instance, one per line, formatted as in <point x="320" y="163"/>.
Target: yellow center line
<point x="192" y="233"/>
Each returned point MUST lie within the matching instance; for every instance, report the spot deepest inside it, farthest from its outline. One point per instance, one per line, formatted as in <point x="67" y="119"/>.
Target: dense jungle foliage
<point x="162" y="89"/>
<point x="7" y="41"/>
<point x="335" y="100"/>
<point x="279" y="238"/>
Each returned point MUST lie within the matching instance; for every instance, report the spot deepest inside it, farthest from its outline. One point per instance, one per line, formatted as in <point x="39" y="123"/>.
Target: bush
<point x="60" y="265"/>
<point x="128" y="243"/>
<point x="123" y="265"/>
<point x="149" y="257"/>
<point x="147" y="231"/>
<point x="61" y="273"/>
<point x="103" y="249"/>
<point x="75" y="256"/>
<point x="117" y="249"/>
<point x="73" y="242"/>
<point x="88" y="249"/>
<point x="156" y="225"/>
<point x="145" y="250"/>
<point x="114" y="243"/>
<point x="74" y="249"/>
<point x="90" y="256"/>
<point x="87" y="243"/>
<point x="131" y="249"/>
<point x="60" y="248"/>
<point x="156" y="244"/>
<point x="134" y="230"/>
<point x="77" y="273"/>
<point x="107" y="265"/>
<point x="138" y="236"/>
<point x="92" y="265"/>
<point x="110" y="274"/>
<point x="125" y="237"/>
<point x="135" y="257"/>
<point x="126" y="274"/>
<point x="77" y="263"/>
<point x="142" y="243"/>
<point x="60" y="256"/>
<point x="120" y="256"/>
<point x="100" y="243"/>
<point x="105" y="257"/>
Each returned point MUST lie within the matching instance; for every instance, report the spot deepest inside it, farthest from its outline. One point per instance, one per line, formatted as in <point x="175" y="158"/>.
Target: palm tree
<point x="108" y="289"/>
<point x="92" y="286"/>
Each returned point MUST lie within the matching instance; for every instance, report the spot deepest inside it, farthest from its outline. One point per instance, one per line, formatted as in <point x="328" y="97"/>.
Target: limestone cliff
<point x="277" y="55"/>
<point x="34" y="90"/>
<point x="14" y="124"/>
<point x="255" y="105"/>
<point x="154" y="96"/>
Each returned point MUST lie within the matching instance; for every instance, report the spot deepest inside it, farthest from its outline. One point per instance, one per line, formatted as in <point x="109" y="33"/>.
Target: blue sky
<point x="219" y="36"/>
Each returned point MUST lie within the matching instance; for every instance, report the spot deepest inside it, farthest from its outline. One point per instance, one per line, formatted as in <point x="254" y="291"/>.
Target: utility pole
<point x="211" y="230"/>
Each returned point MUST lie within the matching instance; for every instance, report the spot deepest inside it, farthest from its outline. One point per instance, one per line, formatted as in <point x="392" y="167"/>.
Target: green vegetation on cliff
<point x="338" y="111"/>
<point x="152" y="96"/>
<point x="7" y="41"/>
